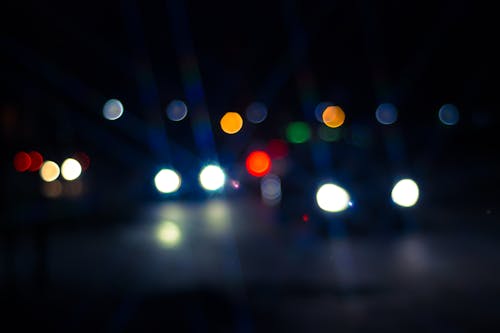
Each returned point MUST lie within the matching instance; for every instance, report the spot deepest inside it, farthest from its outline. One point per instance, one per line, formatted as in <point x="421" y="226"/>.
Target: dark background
<point x="61" y="61"/>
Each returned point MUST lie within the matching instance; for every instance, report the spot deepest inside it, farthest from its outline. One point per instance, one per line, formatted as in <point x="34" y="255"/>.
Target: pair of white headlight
<point x="211" y="178"/>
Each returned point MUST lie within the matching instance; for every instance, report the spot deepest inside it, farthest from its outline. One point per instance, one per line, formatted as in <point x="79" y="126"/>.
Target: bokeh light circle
<point x="83" y="158"/>
<point x="36" y="161"/>
<point x="112" y="110"/>
<point x="333" y="116"/>
<point x="49" y="171"/>
<point x="71" y="169"/>
<point x="405" y="193"/>
<point x="386" y="114"/>
<point x="277" y="148"/>
<point x="258" y="163"/>
<point x="320" y="108"/>
<point x="270" y="188"/>
<point x="298" y="132"/>
<point x="212" y="178"/>
<point x="168" y="234"/>
<point x="167" y="181"/>
<point x="177" y="110"/>
<point x="256" y="113"/>
<point x="332" y="198"/>
<point x="231" y="123"/>
<point x="449" y="115"/>
<point x="22" y="161"/>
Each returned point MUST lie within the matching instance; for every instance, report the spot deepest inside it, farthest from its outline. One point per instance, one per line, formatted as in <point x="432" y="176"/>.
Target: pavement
<point x="236" y="266"/>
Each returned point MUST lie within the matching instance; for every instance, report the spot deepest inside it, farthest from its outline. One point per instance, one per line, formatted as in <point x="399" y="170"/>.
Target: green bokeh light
<point x="298" y="132"/>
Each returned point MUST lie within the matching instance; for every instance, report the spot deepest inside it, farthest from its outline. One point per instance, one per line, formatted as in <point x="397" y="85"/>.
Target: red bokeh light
<point x="36" y="161"/>
<point x="258" y="163"/>
<point x="277" y="148"/>
<point x="305" y="218"/>
<point x="83" y="158"/>
<point x="22" y="161"/>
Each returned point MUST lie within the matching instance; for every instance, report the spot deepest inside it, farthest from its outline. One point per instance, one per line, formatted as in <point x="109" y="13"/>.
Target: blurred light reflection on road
<point x="226" y="242"/>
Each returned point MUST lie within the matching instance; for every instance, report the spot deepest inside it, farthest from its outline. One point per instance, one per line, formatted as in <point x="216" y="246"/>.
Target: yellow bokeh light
<point x="231" y="123"/>
<point x="333" y="116"/>
<point x="49" y="171"/>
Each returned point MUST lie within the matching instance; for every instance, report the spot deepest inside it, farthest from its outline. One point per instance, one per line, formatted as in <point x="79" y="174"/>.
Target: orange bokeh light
<point x="231" y="122"/>
<point x="258" y="163"/>
<point x="333" y="116"/>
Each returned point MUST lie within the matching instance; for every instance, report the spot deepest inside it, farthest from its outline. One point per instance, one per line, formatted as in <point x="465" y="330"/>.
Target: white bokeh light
<point x="167" y="181"/>
<point x="71" y="169"/>
<point x="112" y="110"/>
<point x="332" y="198"/>
<point x="212" y="178"/>
<point x="405" y="193"/>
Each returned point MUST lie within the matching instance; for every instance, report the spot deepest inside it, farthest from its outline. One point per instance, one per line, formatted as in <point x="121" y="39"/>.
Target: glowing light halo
<point x="167" y="181"/>
<point x="113" y="109"/>
<point x="405" y="193"/>
<point x="231" y="123"/>
<point x="258" y="163"/>
<point x="332" y="198"/>
<point x="212" y="177"/>
<point x="49" y="171"/>
<point x="333" y="116"/>
<point x="71" y="169"/>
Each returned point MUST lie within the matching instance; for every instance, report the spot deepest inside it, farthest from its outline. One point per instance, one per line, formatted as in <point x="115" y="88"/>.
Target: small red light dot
<point x="305" y="217"/>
